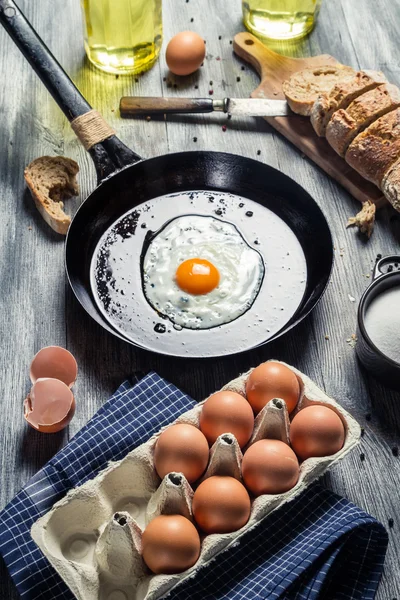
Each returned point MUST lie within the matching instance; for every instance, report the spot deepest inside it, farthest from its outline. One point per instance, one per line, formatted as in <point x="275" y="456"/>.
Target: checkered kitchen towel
<point x="317" y="546"/>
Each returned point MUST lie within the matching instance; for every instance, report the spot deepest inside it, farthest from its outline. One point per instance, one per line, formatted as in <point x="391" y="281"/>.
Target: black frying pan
<point x="135" y="195"/>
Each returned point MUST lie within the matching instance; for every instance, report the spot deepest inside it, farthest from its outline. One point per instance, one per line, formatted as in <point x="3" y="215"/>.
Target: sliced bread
<point x="374" y="150"/>
<point x="303" y="87"/>
<point x="341" y="95"/>
<point x="50" y="180"/>
<point x="390" y="185"/>
<point x="345" y="124"/>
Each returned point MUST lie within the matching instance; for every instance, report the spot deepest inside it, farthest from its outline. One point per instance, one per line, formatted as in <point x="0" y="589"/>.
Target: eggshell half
<point x="56" y="363"/>
<point x="50" y="405"/>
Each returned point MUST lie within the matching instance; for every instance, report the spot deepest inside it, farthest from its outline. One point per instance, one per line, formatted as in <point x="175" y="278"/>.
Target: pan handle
<point x="109" y="154"/>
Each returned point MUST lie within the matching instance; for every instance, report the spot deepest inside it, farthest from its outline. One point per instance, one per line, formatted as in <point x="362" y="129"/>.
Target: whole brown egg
<point x="270" y="467"/>
<point x="181" y="448"/>
<point x="227" y="412"/>
<point x="170" y="544"/>
<point x="221" y="505"/>
<point x="185" y="53"/>
<point x="272" y="380"/>
<point x="316" y="431"/>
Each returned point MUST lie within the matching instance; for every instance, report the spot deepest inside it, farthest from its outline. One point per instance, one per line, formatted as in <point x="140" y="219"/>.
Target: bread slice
<point x="374" y="150"/>
<point x="303" y="87"/>
<point x="345" y="124"/>
<point x="390" y="185"/>
<point x="50" y="180"/>
<point x="341" y="95"/>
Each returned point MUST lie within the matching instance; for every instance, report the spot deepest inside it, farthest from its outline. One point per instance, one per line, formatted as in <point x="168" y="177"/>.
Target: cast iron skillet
<point x="126" y="181"/>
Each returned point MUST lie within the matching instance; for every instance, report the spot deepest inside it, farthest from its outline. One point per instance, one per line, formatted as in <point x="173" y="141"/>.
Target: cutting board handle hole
<point x="249" y="42"/>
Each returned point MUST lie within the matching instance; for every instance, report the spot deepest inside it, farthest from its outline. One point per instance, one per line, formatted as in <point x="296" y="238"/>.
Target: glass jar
<point x="123" y="36"/>
<point x="280" y="19"/>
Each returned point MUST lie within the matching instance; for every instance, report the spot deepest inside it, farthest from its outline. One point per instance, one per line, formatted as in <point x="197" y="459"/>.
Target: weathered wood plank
<point x="37" y="307"/>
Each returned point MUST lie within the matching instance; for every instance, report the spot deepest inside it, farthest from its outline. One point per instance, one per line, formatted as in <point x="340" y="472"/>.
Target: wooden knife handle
<point x="131" y="106"/>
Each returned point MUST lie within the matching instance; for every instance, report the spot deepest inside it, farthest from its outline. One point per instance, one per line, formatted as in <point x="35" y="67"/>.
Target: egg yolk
<point x="197" y="276"/>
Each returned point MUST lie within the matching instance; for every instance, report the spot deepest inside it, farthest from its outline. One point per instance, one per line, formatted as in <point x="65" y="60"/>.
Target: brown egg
<point x="181" y="448"/>
<point x="316" y="431"/>
<point x="270" y="467"/>
<point x="221" y="505"/>
<point x="185" y="53"/>
<point x="170" y="544"/>
<point x="56" y="363"/>
<point x="227" y="412"/>
<point x="272" y="380"/>
<point x="50" y="405"/>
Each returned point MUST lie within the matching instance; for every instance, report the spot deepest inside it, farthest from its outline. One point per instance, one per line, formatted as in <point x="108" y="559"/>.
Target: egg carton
<point x="92" y="537"/>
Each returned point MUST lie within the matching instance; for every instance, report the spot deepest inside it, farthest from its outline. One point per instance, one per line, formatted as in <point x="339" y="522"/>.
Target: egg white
<point x="241" y="270"/>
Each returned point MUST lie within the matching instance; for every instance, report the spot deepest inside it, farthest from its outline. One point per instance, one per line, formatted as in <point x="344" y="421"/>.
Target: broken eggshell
<point x="56" y="363"/>
<point x="49" y="406"/>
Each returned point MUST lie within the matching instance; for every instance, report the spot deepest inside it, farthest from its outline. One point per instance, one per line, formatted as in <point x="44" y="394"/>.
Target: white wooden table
<point x="38" y="309"/>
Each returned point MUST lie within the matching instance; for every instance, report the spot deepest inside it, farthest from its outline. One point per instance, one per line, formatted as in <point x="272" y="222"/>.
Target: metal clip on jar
<point x="378" y="331"/>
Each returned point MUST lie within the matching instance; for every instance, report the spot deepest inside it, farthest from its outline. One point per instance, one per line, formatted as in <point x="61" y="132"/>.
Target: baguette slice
<point x="346" y="124"/>
<point x="50" y="180"/>
<point x="375" y="150"/>
<point x="303" y="87"/>
<point x="390" y="185"/>
<point x="341" y="95"/>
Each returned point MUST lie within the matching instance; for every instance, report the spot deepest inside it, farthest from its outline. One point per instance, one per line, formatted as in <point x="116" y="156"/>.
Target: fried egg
<point x="199" y="272"/>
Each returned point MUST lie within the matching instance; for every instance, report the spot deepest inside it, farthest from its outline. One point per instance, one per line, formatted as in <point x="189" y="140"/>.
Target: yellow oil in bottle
<point x="123" y="36"/>
<point x="280" y="19"/>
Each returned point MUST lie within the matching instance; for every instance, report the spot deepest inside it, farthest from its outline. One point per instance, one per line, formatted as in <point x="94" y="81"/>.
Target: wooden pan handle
<point x="130" y="106"/>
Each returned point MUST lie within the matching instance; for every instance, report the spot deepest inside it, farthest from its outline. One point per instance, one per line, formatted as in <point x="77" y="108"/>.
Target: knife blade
<point x="131" y="106"/>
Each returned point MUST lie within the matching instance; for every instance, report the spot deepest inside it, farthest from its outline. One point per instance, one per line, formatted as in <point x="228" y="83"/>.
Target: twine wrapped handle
<point x="91" y="128"/>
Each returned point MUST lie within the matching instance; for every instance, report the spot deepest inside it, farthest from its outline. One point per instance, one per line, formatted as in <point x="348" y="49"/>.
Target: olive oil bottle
<point x="122" y="36"/>
<point x="280" y="19"/>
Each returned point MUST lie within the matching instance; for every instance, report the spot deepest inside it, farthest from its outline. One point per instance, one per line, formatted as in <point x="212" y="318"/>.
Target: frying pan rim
<point x="285" y="329"/>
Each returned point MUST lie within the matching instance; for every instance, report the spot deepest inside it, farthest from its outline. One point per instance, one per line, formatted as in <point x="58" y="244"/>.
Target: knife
<point x="130" y="106"/>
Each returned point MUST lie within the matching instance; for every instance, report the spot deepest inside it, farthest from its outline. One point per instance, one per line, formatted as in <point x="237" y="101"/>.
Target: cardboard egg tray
<point x="92" y="537"/>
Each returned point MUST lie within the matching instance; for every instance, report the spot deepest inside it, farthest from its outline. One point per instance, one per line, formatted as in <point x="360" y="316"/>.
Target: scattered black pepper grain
<point x="249" y="213"/>
<point x="391" y="523"/>
<point x="230" y="41"/>
<point x="243" y="68"/>
<point x="143" y="226"/>
<point x="362" y="431"/>
<point x="368" y="417"/>
<point x="175" y="85"/>
<point x="241" y="204"/>
<point x="211" y="198"/>
<point x="223" y="128"/>
<point x="136" y="80"/>
<point x="258" y="152"/>
<point x="220" y="37"/>
<point x="160" y="328"/>
<point x="191" y="20"/>
<point x="395" y="451"/>
<point x="237" y="78"/>
<point x="390" y="268"/>
<point x="117" y="77"/>
<point x="378" y="256"/>
<point x="362" y="456"/>
<point x="211" y="82"/>
<point x="164" y="79"/>
<point x="195" y="139"/>
<point x="196" y="87"/>
<point x="210" y="92"/>
<point x="219" y="212"/>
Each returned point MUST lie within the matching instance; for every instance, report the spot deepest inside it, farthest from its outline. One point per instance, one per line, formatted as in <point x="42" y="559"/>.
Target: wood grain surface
<point x="37" y="307"/>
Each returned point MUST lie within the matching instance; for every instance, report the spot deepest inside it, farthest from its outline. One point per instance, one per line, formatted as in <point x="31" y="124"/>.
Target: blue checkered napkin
<point x="317" y="546"/>
<point x="127" y="420"/>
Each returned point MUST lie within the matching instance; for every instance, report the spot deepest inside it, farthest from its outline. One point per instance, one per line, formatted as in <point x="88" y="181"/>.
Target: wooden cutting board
<point x="273" y="69"/>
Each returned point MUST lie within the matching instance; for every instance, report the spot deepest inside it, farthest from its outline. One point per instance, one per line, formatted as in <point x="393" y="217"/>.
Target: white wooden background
<point x="37" y="307"/>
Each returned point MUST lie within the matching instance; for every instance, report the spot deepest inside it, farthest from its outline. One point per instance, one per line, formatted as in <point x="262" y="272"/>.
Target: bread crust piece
<point x="346" y="124"/>
<point x="50" y="180"/>
<point x="341" y="95"/>
<point x="303" y="87"/>
<point x="374" y="150"/>
<point x="390" y="185"/>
